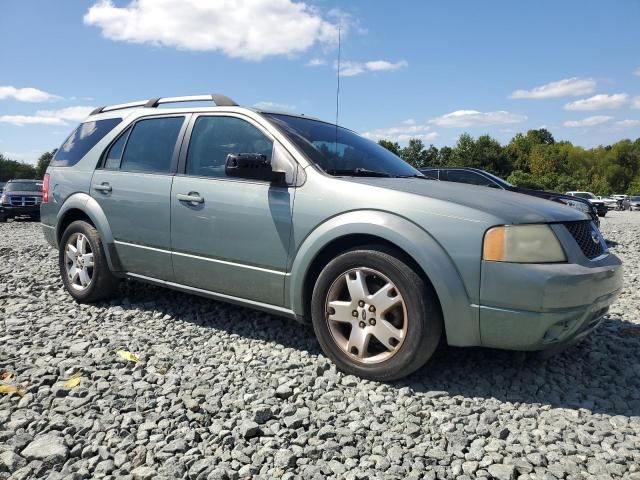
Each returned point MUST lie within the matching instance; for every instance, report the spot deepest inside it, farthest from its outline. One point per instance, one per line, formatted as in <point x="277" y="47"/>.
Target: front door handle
<point x="103" y="187"/>
<point x="191" y="197"/>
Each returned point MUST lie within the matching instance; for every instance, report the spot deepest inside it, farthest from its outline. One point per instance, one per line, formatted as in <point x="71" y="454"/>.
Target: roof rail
<point x="218" y="99"/>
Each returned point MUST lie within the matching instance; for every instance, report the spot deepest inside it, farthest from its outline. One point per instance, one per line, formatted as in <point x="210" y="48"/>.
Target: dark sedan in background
<point x="475" y="176"/>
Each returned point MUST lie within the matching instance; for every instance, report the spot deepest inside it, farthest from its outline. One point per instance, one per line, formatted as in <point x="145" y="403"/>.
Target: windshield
<point x="23" y="187"/>
<point x="635" y="198"/>
<point x="339" y="151"/>
<point x="584" y="195"/>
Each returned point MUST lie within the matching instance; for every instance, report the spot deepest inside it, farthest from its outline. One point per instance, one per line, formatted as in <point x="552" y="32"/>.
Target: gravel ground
<point x="224" y="392"/>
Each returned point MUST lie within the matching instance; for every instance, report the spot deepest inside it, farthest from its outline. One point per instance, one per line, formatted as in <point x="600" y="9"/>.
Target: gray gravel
<point x="221" y="392"/>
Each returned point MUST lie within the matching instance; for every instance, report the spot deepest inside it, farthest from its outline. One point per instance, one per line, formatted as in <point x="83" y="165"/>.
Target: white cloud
<point x="21" y="120"/>
<point x="351" y="69"/>
<point x="637" y="72"/>
<point x="409" y="129"/>
<point x="599" y="102"/>
<point x="474" y="118"/>
<point x="316" y="62"/>
<point x="562" y="88"/>
<point x="249" y="29"/>
<point x="273" y="106"/>
<point x="27" y="94"/>
<point x="73" y="114"/>
<point x="636" y="102"/>
<point x="49" y="117"/>
<point x="628" y="123"/>
<point x="588" y="122"/>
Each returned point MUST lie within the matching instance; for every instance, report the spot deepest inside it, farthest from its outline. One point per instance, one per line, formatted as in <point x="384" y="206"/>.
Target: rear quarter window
<point x="82" y="140"/>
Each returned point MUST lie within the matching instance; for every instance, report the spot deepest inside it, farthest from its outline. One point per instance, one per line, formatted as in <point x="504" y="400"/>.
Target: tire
<point x="102" y="283"/>
<point x="602" y="214"/>
<point x="3" y="219"/>
<point x="416" y="315"/>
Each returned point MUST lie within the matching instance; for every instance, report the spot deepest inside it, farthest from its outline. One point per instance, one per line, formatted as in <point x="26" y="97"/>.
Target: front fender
<point x="88" y="205"/>
<point x="460" y="317"/>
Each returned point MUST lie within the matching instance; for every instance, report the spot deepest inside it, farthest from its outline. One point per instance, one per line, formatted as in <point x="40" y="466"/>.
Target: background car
<point x="1" y="187"/>
<point x="475" y="176"/>
<point x="611" y="203"/>
<point x="600" y="205"/>
<point x="20" y="198"/>
<point x="622" y="201"/>
<point x="634" y="202"/>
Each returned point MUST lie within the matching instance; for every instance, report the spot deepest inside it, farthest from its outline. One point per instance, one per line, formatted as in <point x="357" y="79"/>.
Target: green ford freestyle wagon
<point x="302" y="218"/>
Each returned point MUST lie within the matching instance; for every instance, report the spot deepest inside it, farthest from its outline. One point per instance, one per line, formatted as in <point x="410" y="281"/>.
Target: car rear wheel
<point x="374" y="316"/>
<point x="83" y="264"/>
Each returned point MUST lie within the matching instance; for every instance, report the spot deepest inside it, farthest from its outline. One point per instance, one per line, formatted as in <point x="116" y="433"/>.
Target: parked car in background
<point x="600" y="205"/>
<point x="622" y="201"/>
<point x="611" y="203"/>
<point x="634" y="202"/>
<point x="21" y="198"/>
<point x="1" y="187"/>
<point x="302" y="218"/>
<point x="475" y="176"/>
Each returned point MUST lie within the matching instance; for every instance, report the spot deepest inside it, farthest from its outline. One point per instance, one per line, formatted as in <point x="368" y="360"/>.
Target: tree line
<point x="532" y="160"/>
<point x="10" y="169"/>
<point x="536" y="160"/>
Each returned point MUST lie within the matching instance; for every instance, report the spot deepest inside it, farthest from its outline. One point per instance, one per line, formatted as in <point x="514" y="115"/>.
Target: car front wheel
<point x="83" y="265"/>
<point x="374" y="315"/>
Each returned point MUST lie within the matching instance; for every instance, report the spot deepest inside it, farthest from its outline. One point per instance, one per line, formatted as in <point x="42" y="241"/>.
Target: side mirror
<point x="252" y="166"/>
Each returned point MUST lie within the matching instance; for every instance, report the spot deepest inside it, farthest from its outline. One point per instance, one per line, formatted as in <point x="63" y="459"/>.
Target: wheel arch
<point x="81" y="206"/>
<point x="417" y="246"/>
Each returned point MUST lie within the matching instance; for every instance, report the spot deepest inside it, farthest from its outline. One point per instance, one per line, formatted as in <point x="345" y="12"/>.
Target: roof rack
<point x="218" y="99"/>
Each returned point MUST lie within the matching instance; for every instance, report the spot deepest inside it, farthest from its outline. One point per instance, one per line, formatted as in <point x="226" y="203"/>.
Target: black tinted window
<point x="214" y="138"/>
<point x="23" y="187"/>
<point x="151" y="144"/>
<point x="82" y="140"/>
<point x="462" y="176"/>
<point x="115" y="152"/>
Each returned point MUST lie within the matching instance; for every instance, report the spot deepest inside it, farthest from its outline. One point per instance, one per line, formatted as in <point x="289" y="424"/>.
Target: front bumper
<point x="544" y="306"/>
<point x="8" y="211"/>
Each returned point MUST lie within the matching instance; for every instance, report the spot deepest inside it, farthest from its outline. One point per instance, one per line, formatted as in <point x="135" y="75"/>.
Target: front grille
<point x="584" y="233"/>
<point x="23" y="201"/>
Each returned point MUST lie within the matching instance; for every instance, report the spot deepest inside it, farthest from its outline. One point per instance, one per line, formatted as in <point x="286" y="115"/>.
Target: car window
<point x="151" y="144"/>
<point x="464" y="176"/>
<point x="23" y="187"/>
<point x="115" y="152"/>
<point x="82" y="140"/>
<point x="430" y="173"/>
<point x="213" y="138"/>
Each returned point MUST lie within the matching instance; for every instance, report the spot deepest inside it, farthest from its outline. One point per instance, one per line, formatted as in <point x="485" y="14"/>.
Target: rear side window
<point x="115" y="152"/>
<point x="213" y="138"/>
<point x="462" y="176"/>
<point x="151" y="145"/>
<point x="82" y="140"/>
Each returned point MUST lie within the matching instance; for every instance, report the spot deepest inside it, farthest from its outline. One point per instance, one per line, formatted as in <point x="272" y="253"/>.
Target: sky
<point x="409" y="69"/>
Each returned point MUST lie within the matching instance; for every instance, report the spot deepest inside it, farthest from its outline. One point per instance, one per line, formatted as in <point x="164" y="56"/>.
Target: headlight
<point x="3" y="199"/>
<point x="522" y="244"/>
<point x="583" y="207"/>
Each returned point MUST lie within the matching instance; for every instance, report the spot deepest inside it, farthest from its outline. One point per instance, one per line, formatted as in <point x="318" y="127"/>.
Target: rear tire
<point x="398" y="325"/>
<point x="83" y="264"/>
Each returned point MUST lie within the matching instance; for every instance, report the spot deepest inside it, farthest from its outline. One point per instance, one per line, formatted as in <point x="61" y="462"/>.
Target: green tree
<point x="13" y="169"/>
<point x="393" y="147"/>
<point x="414" y="153"/>
<point x="43" y="163"/>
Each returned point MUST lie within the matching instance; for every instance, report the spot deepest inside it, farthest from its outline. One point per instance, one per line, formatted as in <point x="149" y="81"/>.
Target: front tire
<point x="83" y="264"/>
<point x="374" y="316"/>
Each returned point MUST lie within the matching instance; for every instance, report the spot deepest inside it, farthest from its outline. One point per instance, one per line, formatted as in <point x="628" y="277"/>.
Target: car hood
<point x="22" y="193"/>
<point x="509" y="206"/>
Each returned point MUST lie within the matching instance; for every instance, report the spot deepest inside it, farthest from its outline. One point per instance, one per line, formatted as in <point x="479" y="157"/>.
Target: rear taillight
<point x="45" y="188"/>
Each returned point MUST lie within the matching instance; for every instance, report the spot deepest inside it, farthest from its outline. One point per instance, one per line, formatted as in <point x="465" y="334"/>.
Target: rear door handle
<point x="103" y="187"/>
<point x="191" y="197"/>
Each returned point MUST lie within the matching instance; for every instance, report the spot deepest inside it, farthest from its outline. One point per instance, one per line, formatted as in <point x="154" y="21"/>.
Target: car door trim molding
<point x="209" y="259"/>
<point x="215" y="295"/>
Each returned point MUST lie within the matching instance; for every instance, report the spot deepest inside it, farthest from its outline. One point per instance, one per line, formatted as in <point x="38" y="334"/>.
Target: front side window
<point x="339" y="151"/>
<point x="151" y="145"/>
<point x="82" y="140"/>
<point x="213" y="138"/>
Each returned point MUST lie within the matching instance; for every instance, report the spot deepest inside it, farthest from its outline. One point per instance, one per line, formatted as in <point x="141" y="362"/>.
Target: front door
<point x="133" y="188"/>
<point x="229" y="236"/>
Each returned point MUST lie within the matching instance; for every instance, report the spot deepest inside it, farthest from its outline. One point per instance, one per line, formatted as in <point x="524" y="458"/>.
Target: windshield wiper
<point x="358" y="172"/>
<point x="423" y="177"/>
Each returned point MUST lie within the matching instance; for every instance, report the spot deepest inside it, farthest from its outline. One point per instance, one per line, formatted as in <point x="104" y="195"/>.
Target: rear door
<point x="234" y="240"/>
<point x="133" y="187"/>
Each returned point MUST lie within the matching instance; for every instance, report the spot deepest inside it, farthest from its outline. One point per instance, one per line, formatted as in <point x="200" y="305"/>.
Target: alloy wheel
<point x="78" y="261"/>
<point x="366" y="315"/>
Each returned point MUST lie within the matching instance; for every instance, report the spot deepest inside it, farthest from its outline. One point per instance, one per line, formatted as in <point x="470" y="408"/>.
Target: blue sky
<point x="422" y="69"/>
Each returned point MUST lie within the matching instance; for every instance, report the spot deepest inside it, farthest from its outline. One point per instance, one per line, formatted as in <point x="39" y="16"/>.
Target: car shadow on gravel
<point x="600" y="374"/>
